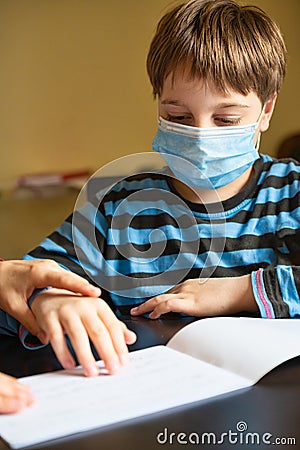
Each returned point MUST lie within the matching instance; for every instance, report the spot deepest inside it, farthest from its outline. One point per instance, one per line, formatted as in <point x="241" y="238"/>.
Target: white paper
<point x="156" y="379"/>
<point x="246" y="346"/>
<point x="232" y="353"/>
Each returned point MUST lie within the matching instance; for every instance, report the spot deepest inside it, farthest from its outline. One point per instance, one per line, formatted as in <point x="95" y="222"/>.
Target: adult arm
<point x="19" y="279"/>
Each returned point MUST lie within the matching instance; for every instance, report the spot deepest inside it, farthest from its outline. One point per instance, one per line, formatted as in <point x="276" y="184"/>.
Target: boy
<point x="221" y="214"/>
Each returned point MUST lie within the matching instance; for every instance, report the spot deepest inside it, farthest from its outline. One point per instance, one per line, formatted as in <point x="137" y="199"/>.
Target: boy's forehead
<point x="182" y="81"/>
<point x="179" y="86"/>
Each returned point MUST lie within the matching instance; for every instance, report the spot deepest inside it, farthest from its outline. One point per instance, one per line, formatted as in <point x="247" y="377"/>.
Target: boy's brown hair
<point x="237" y="47"/>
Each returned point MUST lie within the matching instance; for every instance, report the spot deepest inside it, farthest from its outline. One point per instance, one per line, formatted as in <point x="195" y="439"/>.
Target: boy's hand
<point x="14" y="396"/>
<point x="18" y="280"/>
<point x="60" y="312"/>
<point x="199" y="297"/>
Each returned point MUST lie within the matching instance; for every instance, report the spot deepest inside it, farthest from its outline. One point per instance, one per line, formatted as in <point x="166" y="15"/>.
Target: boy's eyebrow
<point x="172" y="102"/>
<point x="218" y="106"/>
<point x="232" y="105"/>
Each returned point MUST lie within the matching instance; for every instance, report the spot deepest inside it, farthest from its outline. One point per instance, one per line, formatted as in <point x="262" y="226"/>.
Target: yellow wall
<point x="74" y="91"/>
<point x="73" y="85"/>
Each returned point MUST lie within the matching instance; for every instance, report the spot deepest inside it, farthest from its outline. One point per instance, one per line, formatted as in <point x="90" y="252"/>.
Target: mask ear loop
<point x="257" y="124"/>
<point x="257" y="142"/>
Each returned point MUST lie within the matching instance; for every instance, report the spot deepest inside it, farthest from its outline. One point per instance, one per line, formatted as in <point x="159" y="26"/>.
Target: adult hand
<point x="14" y="396"/>
<point x="203" y="297"/>
<point x="60" y="312"/>
<point x="18" y="280"/>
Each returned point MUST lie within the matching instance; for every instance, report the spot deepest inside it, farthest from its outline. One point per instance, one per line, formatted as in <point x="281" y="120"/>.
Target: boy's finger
<point x="130" y="336"/>
<point x="108" y="341"/>
<point x="115" y="329"/>
<point x="142" y="309"/>
<point x="149" y="305"/>
<point x="173" y="304"/>
<point x="79" y="338"/>
<point x="57" y="339"/>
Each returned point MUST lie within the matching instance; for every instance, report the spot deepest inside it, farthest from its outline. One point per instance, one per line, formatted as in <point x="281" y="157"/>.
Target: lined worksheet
<point x="207" y="358"/>
<point x="156" y="379"/>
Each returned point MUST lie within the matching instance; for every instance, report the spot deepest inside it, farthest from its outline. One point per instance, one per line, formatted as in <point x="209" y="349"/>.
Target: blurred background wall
<point x="74" y="91"/>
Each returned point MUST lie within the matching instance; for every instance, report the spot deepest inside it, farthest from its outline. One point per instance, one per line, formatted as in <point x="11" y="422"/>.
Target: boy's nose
<point x="202" y="122"/>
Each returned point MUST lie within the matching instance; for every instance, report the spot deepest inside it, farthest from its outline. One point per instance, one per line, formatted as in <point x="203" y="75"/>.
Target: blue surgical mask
<point x="206" y="158"/>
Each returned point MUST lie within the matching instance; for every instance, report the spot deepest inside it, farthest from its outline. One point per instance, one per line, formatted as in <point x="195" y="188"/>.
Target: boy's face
<point x="195" y="103"/>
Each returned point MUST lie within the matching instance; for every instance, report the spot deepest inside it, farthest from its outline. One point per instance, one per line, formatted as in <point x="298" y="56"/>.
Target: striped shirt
<point x="141" y="238"/>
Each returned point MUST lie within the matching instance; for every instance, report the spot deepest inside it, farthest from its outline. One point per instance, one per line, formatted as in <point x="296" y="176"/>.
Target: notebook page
<point x="157" y="378"/>
<point x="249" y="347"/>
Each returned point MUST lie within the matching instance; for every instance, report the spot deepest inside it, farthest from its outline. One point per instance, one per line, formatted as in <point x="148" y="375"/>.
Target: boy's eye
<point x="178" y="118"/>
<point x="227" y="121"/>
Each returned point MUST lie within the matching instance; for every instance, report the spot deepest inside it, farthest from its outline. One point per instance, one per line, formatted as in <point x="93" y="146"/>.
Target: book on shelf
<point x="207" y="358"/>
<point x="50" y="184"/>
<point x="44" y="179"/>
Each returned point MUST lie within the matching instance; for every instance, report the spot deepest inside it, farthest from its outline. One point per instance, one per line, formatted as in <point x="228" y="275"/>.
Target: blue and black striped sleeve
<point x="277" y="287"/>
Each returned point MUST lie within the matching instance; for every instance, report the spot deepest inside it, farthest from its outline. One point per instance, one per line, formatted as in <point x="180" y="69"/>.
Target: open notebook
<point x="206" y="358"/>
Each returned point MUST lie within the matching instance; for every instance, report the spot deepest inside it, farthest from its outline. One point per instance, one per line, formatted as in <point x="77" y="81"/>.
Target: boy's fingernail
<point x="153" y="316"/>
<point x="69" y="364"/>
<point x="132" y="337"/>
<point x="124" y="359"/>
<point x="113" y="366"/>
<point x="91" y="370"/>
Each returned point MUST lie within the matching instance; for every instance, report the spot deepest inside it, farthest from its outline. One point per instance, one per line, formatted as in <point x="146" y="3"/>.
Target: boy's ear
<point x="267" y="114"/>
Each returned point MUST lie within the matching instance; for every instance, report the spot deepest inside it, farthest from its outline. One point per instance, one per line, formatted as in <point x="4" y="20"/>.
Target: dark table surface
<point x="268" y="411"/>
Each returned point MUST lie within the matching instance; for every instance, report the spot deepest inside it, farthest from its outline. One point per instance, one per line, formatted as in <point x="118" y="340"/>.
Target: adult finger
<point x="19" y="309"/>
<point x="10" y="405"/>
<point x="14" y="395"/>
<point x="61" y="278"/>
